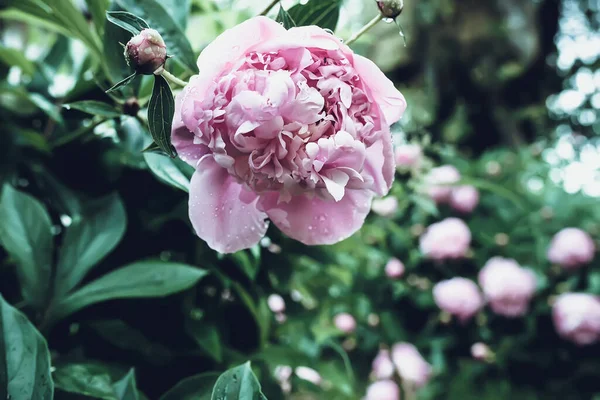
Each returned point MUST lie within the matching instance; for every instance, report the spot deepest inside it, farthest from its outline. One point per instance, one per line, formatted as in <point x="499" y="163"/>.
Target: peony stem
<point x="269" y="7"/>
<point x="172" y="78"/>
<point x="364" y="29"/>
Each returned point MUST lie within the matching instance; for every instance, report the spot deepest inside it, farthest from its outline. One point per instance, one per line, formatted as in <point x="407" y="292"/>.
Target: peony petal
<point x="182" y="139"/>
<point x="222" y="212"/>
<point x="232" y="44"/>
<point x="315" y="221"/>
<point x="383" y="91"/>
<point x="380" y="164"/>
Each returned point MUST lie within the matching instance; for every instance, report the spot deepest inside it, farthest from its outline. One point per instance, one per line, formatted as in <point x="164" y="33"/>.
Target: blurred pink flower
<point x="458" y="296"/>
<point x="309" y="374"/>
<point x="464" y="198"/>
<point x="439" y="182"/>
<point x="276" y="303"/>
<point x="383" y="367"/>
<point x="408" y="155"/>
<point x="480" y="351"/>
<point x="385" y="207"/>
<point x="576" y="317"/>
<point x="289" y="125"/>
<point x="394" y="269"/>
<point x="508" y="287"/>
<point x="410" y="364"/>
<point x="383" y="390"/>
<point x="345" y="322"/>
<point x="447" y="239"/>
<point x="571" y="248"/>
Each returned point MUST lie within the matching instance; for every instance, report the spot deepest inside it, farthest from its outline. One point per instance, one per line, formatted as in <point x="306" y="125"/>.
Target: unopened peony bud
<point x="394" y="269"/>
<point x="576" y="317"/>
<point x="507" y="286"/>
<point x="447" y="239"/>
<point x="464" y="198"/>
<point x="276" y="303"/>
<point x="146" y="52"/>
<point x="345" y="322"/>
<point x="458" y="296"/>
<point x="408" y="156"/>
<point x="571" y="248"/>
<point x="385" y="207"/>
<point x="383" y="367"/>
<point x="383" y="390"/>
<point x="410" y="364"/>
<point x="481" y="351"/>
<point x="390" y="8"/>
<point x="309" y="374"/>
<point x="439" y="182"/>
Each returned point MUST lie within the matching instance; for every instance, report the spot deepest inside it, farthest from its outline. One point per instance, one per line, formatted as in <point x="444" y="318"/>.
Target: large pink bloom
<point x="288" y="125"/>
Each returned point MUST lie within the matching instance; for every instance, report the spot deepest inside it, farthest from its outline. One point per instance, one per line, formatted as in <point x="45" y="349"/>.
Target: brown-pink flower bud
<point x="390" y="8"/>
<point x="146" y="52"/>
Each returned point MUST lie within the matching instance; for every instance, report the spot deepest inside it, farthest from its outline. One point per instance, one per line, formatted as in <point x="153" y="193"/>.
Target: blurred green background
<point x="507" y="91"/>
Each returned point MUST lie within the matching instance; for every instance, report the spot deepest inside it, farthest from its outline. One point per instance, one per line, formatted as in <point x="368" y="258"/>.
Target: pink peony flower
<point x="345" y="322"/>
<point x="383" y="367"/>
<point x="458" y="296"/>
<point x="146" y="52"/>
<point x="394" y="269"/>
<point x="571" y="248"/>
<point x="276" y="303"/>
<point x="464" y="198"/>
<point x="408" y="155"/>
<point x="480" y="351"/>
<point x="447" y="239"/>
<point x="507" y="286"/>
<point x="410" y="364"/>
<point x="385" y="207"/>
<point x="289" y="125"/>
<point x="383" y="390"/>
<point x="439" y="182"/>
<point x="577" y="317"/>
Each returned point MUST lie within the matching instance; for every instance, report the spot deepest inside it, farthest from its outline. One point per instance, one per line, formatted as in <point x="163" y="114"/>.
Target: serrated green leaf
<point x="238" y="383"/>
<point x="157" y="16"/>
<point x="26" y="234"/>
<point x="139" y="280"/>
<point x="88" y="240"/>
<point x="94" y="107"/>
<point x="24" y="358"/>
<point x="160" y="115"/>
<point x="128" y="21"/>
<point x="285" y="18"/>
<point x="171" y="171"/>
<point x="323" y="13"/>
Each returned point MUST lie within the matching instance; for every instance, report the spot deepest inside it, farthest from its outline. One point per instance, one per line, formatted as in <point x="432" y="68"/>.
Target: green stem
<point x="172" y="78"/>
<point x="269" y="7"/>
<point x="61" y="141"/>
<point x="364" y="29"/>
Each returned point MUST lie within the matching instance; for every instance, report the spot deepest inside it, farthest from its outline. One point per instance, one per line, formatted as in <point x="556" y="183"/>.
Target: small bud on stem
<point x="146" y="52"/>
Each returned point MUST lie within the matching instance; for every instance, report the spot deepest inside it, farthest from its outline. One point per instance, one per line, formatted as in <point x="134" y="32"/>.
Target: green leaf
<point x="179" y="10"/>
<point x="206" y="335"/>
<point x="122" y="83"/>
<point x="594" y="282"/>
<point x="24" y="358"/>
<point x="88" y="240"/>
<point x="159" y="19"/>
<point x="126" y="388"/>
<point x="197" y="387"/>
<point x="46" y="106"/>
<point x="160" y="115"/>
<point x="238" y="383"/>
<point x="97" y="9"/>
<point x="285" y="18"/>
<point x="128" y="21"/>
<point x="138" y="280"/>
<point x="172" y="171"/>
<point x="323" y="13"/>
<point x="87" y="380"/>
<point x="246" y="264"/>
<point x="26" y="234"/>
<point x="14" y="57"/>
<point x="95" y="108"/>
